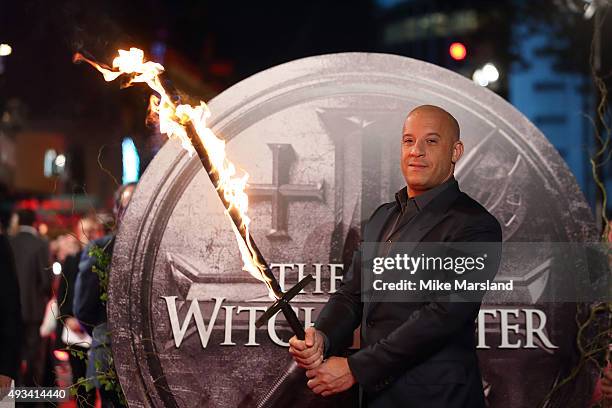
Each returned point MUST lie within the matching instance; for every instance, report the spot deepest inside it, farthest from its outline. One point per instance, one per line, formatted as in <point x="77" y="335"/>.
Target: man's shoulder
<point x="470" y="207"/>
<point x="27" y="239"/>
<point x="87" y="259"/>
<point x="473" y="212"/>
<point x="382" y="210"/>
<point x="102" y="242"/>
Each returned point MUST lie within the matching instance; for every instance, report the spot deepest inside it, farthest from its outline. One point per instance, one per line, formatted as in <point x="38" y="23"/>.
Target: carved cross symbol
<point x="280" y="192"/>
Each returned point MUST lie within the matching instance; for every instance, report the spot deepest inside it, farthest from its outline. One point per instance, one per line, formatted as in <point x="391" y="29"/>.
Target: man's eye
<point x="408" y="141"/>
<point x="432" y="141"/>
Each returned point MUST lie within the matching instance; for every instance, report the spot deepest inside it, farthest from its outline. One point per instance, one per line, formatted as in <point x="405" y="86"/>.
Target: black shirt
<point x="408" y="207"/>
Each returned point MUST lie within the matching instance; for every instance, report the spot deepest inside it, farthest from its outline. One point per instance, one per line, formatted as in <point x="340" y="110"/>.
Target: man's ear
<point x="457" y="151"/>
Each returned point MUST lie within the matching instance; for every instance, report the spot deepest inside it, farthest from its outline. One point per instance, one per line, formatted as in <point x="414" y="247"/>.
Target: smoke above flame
<point x="172" y="119"/>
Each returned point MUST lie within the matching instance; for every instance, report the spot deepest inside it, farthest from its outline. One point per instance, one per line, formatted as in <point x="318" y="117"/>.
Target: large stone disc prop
<point x="320" y="138"/>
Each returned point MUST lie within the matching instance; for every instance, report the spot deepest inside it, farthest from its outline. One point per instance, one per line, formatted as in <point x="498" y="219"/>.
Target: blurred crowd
<point x="53" y="331"/>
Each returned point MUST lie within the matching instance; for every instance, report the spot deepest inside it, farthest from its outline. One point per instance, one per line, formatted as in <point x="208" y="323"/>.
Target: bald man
<point x="414" y="355"/>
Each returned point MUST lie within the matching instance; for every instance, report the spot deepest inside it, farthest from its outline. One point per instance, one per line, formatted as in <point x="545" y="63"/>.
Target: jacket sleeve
<point x="86" y="303"/>
<point x="44" y="269"/>
<point x="342" y="313"/>
<point x="64" y="302"/>
<point x="426" y="330"/>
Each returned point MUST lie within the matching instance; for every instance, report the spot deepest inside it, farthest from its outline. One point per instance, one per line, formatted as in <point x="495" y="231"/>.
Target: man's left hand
<point x="331" y="377"/>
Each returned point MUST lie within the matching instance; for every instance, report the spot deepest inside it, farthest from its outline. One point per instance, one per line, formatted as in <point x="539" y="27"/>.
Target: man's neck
<point x="412" y="193"/>
<point x="426" y="196"/>
<point x="415" y="193"/>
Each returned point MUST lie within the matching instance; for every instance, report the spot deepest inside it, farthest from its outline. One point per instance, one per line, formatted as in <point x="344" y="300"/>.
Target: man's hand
<point x="606" y="383"/>
<point x="331" y="377"/>
<point x="5" y="385"/>
<point x="308" y="353"/>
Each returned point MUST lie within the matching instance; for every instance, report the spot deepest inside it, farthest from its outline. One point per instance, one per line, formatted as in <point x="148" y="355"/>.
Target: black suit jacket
<point x="87" y="306"/>
<point x="65" y="292"/>
<point x="10" y="322"/>
<point x="34" y="275"/>
<point x="414" y="354"/>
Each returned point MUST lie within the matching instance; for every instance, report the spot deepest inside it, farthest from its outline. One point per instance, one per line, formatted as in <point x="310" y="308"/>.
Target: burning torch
<point x="188" y="124"/>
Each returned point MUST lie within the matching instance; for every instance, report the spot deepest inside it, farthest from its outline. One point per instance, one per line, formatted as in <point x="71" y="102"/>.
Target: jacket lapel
<point x="409" y="234"/>
<point x="374" y="228"/>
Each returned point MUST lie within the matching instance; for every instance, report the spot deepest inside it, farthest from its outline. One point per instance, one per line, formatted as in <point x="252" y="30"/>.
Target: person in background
<point x="63" y="246"/>
<point x="10" y="323"/>
<point x="90" y="309"/>
<point x="34" y="276"/>
<point x="71" y="333"/>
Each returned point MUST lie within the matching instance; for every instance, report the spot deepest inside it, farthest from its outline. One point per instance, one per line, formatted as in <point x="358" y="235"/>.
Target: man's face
<point x="429" y="148"/>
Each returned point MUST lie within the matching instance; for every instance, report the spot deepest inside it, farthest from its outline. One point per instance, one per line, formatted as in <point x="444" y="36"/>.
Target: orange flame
<point x="172" y="120"/>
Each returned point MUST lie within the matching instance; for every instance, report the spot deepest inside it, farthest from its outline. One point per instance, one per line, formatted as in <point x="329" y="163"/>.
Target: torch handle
<point x="286" y="389"/>
<point x="294" y="322"/>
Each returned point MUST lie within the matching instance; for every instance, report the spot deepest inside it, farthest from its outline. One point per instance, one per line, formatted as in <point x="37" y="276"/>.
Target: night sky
<point x="225" y="41"/>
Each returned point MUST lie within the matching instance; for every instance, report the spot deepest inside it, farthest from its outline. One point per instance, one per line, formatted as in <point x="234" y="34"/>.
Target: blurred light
<point x="50" y="156"/>
<point x="490" y="72"/>
<point x="590" y="8"/>
<point x="158" y="51"/>
<point x="43" y="229"/>
<point x="457" y="51"/>
<point x="131" y="161"/>
<point x="486" y="75"/>
<point x="387" y="4"/>
<point x="57" y="268"/>
<point x="60" y="160"/>
<point x="220" y="68"/>
<point x="5" y="50"/>
<point x="61" y="355"/>
<point x="480" y="78"/>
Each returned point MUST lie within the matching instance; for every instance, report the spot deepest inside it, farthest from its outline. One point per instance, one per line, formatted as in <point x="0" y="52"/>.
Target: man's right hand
<point x="308" y="353"/>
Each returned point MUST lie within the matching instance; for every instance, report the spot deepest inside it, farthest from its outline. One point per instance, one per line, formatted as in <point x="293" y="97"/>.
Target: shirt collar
<point x="28" y="229"/>
<point x="422" y="200"/>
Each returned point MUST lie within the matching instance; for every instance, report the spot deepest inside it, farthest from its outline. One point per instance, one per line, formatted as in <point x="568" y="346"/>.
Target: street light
<point x="5" y="50"/>
<point x="457" y="51"/>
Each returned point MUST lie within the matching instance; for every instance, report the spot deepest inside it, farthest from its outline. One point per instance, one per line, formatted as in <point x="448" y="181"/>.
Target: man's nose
<point x="417" y="149"/>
